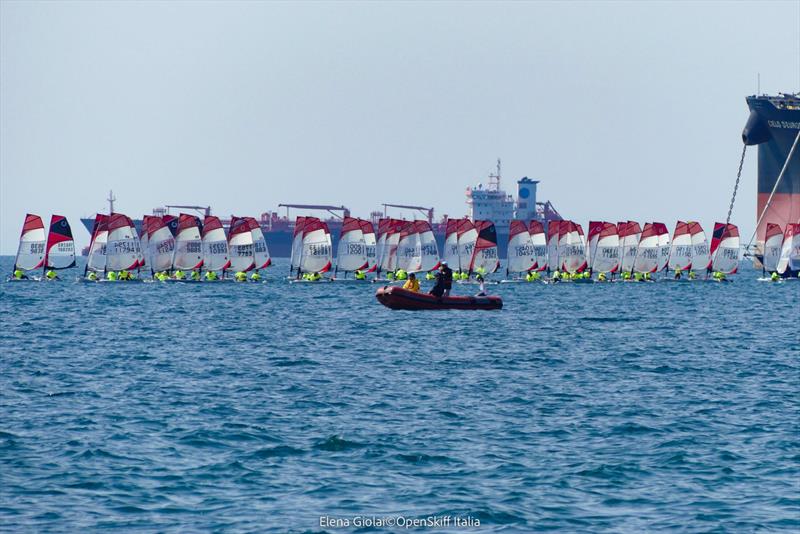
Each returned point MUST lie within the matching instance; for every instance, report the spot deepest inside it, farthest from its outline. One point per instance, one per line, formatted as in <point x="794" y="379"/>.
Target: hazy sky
<point x="622" y="110"/>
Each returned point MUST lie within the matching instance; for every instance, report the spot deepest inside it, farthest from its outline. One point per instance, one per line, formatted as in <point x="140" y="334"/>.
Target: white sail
<point x="390" y="251"/>
<point x="96" y="261"/>
<point x="790" y="250"/>
<point x="605" y="258"/>
<point x="215" y="245"/>
<point x="369" y="241"/>
<point x="647" y="253"/>
<point x="725" y="257"/>
<point x="161" y="246"/>
<point x="553" y="228"/>
<point x="629" y="243"/>
<point x="700" y="252"/>
<point x="428" y="246"/>
<point x="680" y="251"/>
<point x="317" y="250"/>
<point x="521" y="255"/>
<point x="539" y="244"/>
<point x="663" y="245"/>
<point x="188" y="244"/>
<point x="261" y="255"/>
<point x="450" y="252"/>
<point x="122" y="251"/>
<point x="351" y="253"/>
<point x="409" y="251"/>
<point x="466" y="245"/>
<point x="574" y="252"/>
<point x="772" y="247"/>
<point x="30" y="253"/>
<point x="240" y="246"/>
<point x="297" y="243"/>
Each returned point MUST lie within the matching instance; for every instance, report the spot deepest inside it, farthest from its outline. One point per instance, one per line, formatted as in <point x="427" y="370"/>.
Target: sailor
<point x="535" y="276"/>
<point x="19" y="274"/>
<point x="211" y="276"/>
<point x="91" y="276"/>
<point x="775" y="277"/>
<point x="601" y="277"/>
<point x="587" y="275"/>
<point x="412" y="284"/>
<point x="529" y="277"/>
<point x="162" y="276"/>
<point x="678" y="274"/>
<point x="692" y="276"/>
<point x="255" y="277"/>
<point x="430" y="276"/>
<point x="647" y="277"/>
<point x="446" y="277"/>
<point x="240" y="276"/>
<point x="481" y="286"/>
<point x="556" y="276"/>
<point x="51" y="275"/>
<point x="626" y="275"/>
<point x="389" y="275"/>
<point x="315" y="277"/>
<point x="400" y="274"/>
<point x="360" y="275"/>
<point x="179" y="275"/>
<point x="112" y="275"/>
<point x="195" y="275"/>
<point x="638" y="277"/>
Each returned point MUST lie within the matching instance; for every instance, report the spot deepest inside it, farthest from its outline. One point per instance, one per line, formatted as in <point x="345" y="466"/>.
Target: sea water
<point x="312" y="408"/>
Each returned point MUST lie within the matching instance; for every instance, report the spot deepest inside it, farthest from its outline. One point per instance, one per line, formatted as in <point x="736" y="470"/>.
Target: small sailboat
<point x="215" y="246"/>
<point x="261" y="256"/>
<point x="553" y="229"/>
<point x="700" y="253"/>
<point x="467" y="236"/>
<point x="539" y="243"/>
<point x="188" y="245"/>
<point x="297" y="245"/>
<point x="521" y="254"/>
<point x="450" y="252"/>
<point x="369" y="241"/>
<point x="485" y="258"/>
<point x="663" y="245"/>
<point x="351" y="253"/>
<point x="316" y="254"/>
<point x="429" y="249"/>
<point x="123" y="251"/>
<point x="773" y="243"/>
<point x="725" y="249"/>
<point x="31" y="250"/>
<point x="604" y="248"/>
<point x="240" y="246"/>
<point x="59" y="253"/>
<point x="573" y="253"/>
<point x="629" y="234"/>
<point x="647" y="251"/>
<point x="788" y="265"/>
<point x="409" y="249"/>
<point x="96" y="261"/>
<point x="390" y="232"/>
<point x="160" y="244"/>
<point x="680" y="251"/>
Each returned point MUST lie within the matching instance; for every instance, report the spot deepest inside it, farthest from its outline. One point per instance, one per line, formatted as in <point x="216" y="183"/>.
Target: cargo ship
<point x="484" y="202"/>
<point x="773" y="126"/>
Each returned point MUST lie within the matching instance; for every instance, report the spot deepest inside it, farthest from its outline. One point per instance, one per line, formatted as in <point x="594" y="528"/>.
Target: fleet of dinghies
<point x="186" y="248"/>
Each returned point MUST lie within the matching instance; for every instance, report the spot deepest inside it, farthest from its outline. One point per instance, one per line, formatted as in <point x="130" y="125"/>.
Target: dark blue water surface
<point x="581" y="408"/>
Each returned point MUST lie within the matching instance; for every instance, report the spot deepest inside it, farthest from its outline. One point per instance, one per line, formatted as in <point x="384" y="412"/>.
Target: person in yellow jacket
<point x="412" y="284"/>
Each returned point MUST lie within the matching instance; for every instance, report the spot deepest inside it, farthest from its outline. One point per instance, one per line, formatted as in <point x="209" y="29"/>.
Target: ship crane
<point x="206" y="210"/>
<point x="428" y="212"/>
<point x="330" y="209"/>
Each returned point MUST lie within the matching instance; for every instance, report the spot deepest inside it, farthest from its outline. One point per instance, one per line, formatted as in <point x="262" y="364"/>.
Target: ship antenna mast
<point x="494" y="179"/>
<point x="111" y="198"/>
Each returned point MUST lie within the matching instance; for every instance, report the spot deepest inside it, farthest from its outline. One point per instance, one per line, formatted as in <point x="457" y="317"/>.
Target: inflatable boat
<point x="398" y="298"/>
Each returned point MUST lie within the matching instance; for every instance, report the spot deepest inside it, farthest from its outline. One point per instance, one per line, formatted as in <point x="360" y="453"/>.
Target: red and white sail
<point x="680" y="251"/>
<point x="450" y="252"/>
<point x="700" y="252"/>
<point x="144" y="240"/>
<point x="31" y="250"/>
<point x="773" y="242"/>
<point x="188" y="244"/>
<point x="790" y="250"/>
<point x="160" y="243"/>
<point x="409" y="251"/>
<point x="521" y="256"/>
<point x="317" y="251"/>
<point x="539" y="244"/>
<point x="647" y="252"/>
<point x="553" y="228"/>
<point x="393" y="234"/>
<point x="428" y="246"/>
<point x="574" y="253"/>
<point x="240" y="245"/>
<point x="123" y="252"/>
<point x="467" y="237"/>
<point x="485" y="257"/>
<point x="663" y="245"/>
<point x="629" y="235"/>
<point x="369" y="241"/>
<point x="60" y="249"/>
<point x="297" y="243"/>
<point x="351" y="253"/>
<point x="725" y="246"/>
<point x="215" y="245"/>
<point x="380" y="243"/>
<point x="96" y="261"/>
<point x="261" y="255"/>
<point x="595" y="227"/>
<point x="605" y="257"/>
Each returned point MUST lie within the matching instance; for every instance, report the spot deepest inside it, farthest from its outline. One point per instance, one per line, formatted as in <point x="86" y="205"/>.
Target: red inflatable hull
<point x="398" y="298"/>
